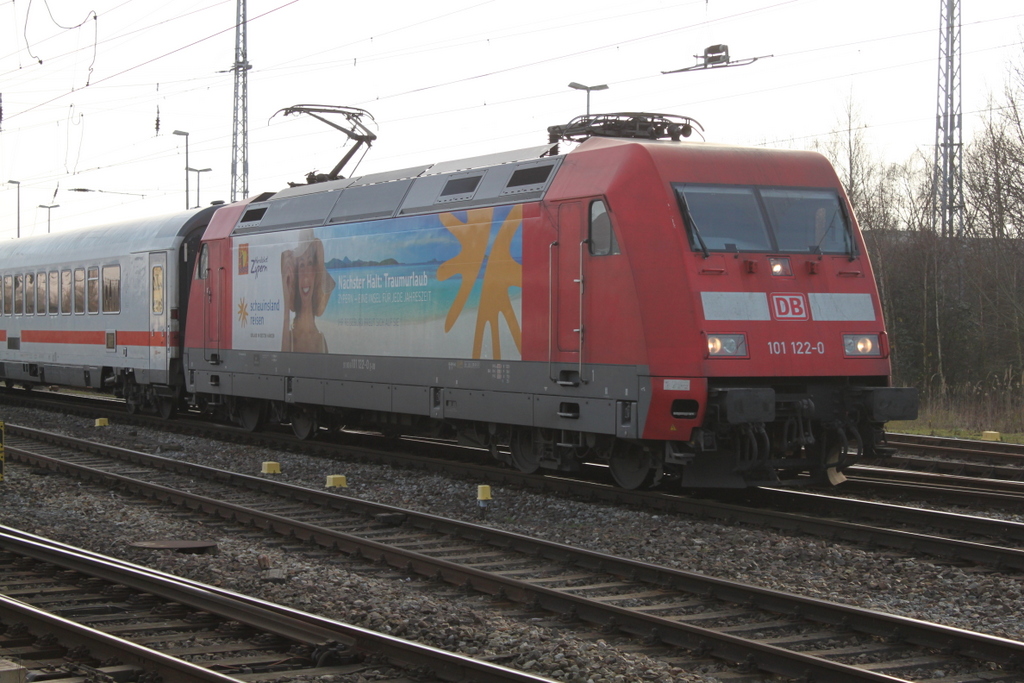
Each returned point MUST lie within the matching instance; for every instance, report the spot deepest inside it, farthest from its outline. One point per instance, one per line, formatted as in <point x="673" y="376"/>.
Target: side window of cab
<point x="203" y="263"/>
<point x="601" y="236"/>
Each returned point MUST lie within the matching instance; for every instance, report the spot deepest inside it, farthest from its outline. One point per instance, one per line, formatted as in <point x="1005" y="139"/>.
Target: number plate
<point x="796" y="348"/>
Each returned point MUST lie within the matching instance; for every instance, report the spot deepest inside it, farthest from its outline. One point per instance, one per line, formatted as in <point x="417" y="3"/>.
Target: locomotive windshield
<point x="761" y="219"/>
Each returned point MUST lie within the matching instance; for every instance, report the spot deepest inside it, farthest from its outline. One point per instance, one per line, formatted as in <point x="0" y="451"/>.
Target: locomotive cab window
<point x="807" y="221"/>
<point x="725" y="218"/>
<point x="766" y="220"/>
<point x="601" y="236"/>
<point x="111" y="289"/>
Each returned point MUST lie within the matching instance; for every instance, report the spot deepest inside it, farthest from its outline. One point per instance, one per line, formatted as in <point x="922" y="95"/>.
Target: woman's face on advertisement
<point x="306" y="265"/>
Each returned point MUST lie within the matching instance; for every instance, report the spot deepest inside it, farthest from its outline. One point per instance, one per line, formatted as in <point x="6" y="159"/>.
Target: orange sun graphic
<point x="243" y="312"/>
<point x="501" y="274"/>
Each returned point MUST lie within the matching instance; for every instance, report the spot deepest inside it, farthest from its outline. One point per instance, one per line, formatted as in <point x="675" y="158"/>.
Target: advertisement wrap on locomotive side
<point x="442" y="285"/>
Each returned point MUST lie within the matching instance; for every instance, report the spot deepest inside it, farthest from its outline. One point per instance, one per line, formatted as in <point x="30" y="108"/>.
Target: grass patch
<point x="966" y="418"/>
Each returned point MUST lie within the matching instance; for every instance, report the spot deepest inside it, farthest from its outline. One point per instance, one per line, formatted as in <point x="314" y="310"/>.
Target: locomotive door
<point x="215" y="274"/>
<point x="568" y="277"/>
<point x="158" y="337"/>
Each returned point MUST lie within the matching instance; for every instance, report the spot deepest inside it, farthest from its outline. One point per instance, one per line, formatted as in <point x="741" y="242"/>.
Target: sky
<point x="83" y="85"/>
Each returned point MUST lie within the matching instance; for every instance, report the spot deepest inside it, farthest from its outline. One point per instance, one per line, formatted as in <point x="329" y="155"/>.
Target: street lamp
<point x="181" y="132"/>
<point x="579" y="86"/>
<point x="197" y="172"/>
<point x="48" y="207"/>
<point x="18" y="183"/>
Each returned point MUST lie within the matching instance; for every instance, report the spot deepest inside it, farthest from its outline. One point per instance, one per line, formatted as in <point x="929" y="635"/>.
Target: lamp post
<point x="181" y="132"/>
<point x="48" y="208"/>
<point x="197" y="171"/>
<point x="18" y="183"/>
<point x="579" y="86"/>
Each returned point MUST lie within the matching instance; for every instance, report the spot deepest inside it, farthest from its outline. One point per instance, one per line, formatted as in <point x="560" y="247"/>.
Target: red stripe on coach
<point x="62" y="337"/>
<point x="94" y="337"/>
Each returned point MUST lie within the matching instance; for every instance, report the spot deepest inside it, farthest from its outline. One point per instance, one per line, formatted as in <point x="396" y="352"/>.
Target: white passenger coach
<point x="100" y="307"/>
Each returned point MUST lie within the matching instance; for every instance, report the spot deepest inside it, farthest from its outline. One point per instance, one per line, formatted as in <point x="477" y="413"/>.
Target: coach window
<point x="54" y="292"/>
<point x="8" y="294"/>
<point x="158" y="289"/>
<point x="602" y="238"/>
<point x="111" y="289"/>
<point x="19" y="294"/>
<point x="79" y="290"/>
<point x="40" y="293"/>
<point x="65" y="291"/>
<point x="93" y="289"/>
<point x="30" y="294"/>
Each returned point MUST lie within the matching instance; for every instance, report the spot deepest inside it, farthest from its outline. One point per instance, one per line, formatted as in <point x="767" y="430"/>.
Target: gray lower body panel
<point x="65" y="375"/>
<point x="516" y="393"/>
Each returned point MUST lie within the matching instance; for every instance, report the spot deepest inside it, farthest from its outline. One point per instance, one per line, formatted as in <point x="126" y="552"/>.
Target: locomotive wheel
<point x="305" y="424"/>
<point x="524" y="454"/>
<point x="827" y="454"/>
<point x="633" y="467"/>
<point x="167" y="406"/>
<point x="832" y="474"/>
<point x="131" y="406"/>
<point x="251" y="414"/>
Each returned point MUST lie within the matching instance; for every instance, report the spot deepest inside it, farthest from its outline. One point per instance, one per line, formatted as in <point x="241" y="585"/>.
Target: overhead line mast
<point x="240" y="127"/>
<point x="948" y="185"/>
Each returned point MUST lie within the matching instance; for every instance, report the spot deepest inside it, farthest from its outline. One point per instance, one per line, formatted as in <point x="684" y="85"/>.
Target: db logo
<point x="789" y="307"/>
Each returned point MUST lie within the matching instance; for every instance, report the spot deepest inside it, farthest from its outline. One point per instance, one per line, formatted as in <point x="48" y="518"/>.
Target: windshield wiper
<point x="852" y="246"/>
<point x="693" y="225"/>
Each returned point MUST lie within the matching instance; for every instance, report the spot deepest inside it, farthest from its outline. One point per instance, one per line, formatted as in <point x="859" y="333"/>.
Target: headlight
<point x="862" y="345"/>
<point x="727" y="345"/>
<point x="780" y="266"/>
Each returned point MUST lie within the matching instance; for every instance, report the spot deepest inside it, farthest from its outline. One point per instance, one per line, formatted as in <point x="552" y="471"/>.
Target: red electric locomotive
<point x="674" y="311"/>
<point x="668" y="309"/>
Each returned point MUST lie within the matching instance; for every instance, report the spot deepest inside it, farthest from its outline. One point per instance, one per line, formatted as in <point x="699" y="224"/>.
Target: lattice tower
<point x="240" y="127"/>
<point x="948" y="185"/>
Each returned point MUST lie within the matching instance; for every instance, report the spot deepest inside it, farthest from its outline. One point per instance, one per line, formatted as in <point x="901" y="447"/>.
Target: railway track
<point x="950" y="536"/>
<point x="924" y="462"/>
<point x="71" y="615"/>
<point x="962" y="492"/>
<point x="992" y="460"/>
<point x="982" y="475"/>
<point x="770" y="631"/>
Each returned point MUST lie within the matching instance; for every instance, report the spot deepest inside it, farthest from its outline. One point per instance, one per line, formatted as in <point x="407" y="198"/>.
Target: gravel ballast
<point x="353" y="591"/>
